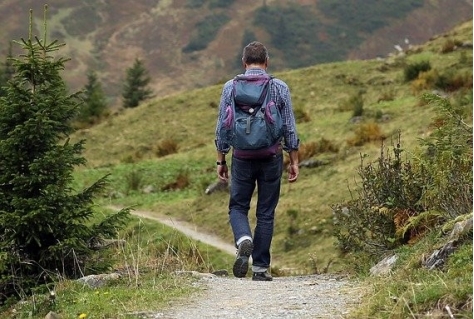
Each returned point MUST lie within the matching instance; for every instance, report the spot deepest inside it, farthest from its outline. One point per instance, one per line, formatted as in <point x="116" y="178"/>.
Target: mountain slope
<point x="108" y="35"/>
<point x="434" y="18"/>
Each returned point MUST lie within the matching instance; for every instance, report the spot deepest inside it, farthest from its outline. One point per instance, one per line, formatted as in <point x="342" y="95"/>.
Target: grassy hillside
<point x="130" y="146"/>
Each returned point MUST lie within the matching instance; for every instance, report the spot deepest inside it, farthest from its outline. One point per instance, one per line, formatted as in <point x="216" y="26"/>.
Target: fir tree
<point x="45" y="225"/>
<point x="135" y="89"/>
<point x="94" y="101"/>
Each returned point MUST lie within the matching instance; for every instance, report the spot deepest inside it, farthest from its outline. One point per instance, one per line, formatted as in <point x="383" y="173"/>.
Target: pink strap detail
<point x="229" y="117"/>
<point x="268" y="113"/>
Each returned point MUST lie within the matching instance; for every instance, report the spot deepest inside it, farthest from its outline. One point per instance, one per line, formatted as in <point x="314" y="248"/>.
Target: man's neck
<point x="255" y="66"/>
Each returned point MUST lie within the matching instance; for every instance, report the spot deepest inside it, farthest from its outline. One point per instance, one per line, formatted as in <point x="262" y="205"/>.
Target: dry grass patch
<point x="366" y="133"/>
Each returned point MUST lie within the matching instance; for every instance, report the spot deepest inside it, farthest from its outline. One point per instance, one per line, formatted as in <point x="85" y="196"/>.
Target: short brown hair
<point x="255" y="53"/>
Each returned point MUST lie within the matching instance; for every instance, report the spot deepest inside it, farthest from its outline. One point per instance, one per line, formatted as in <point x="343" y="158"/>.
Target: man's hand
<point x="223" y="172"/>
<point x="293" y="171"/>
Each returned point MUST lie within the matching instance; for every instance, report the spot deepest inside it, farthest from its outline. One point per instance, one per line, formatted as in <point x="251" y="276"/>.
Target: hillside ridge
<point x="108" y="37"/>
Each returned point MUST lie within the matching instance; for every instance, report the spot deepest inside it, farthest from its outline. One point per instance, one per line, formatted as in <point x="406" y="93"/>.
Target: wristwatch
<point x="221" y="163"/>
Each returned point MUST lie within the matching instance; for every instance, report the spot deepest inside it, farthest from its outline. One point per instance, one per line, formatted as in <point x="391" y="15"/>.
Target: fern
<point x="416" y="224"/>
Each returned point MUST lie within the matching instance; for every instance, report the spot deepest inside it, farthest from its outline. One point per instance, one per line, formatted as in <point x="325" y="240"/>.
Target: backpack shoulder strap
<point x="243" y="77"/>
<point x="251" y="91"/>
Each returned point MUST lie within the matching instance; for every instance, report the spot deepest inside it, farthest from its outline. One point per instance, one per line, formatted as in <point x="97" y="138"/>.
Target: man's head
<point x="255" y="53"/>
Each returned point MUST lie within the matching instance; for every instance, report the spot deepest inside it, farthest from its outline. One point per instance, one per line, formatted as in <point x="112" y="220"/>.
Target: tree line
<point x="94" y="103"/>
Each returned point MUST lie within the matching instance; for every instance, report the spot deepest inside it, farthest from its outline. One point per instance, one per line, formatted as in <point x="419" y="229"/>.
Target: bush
<point x="134" y="181"/>
<point x="166" y="147"/>
<point x="301" y="116"/>
<point x="450" y="81"/>
<point x="181" y="182"/>
<point x="389" y="188"/>
<point x="354" y="103"/>
<point x="387" y="94"/>
<point x="412" y="70"/>
<point x="399" y="200"/>
<point x="450" y="45"/>
<point x="447" y="160"/>
<point x="454" y="80"/>
<point x="366" y="133"/>
<point x="357" y="104"/>
<point x="426" y="80"/>
<point x="310" y="149"/>
<point x="131" y="158"/>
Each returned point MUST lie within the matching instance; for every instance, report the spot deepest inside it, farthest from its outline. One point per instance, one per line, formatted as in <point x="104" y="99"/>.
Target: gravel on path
<point x="314" y="296"/>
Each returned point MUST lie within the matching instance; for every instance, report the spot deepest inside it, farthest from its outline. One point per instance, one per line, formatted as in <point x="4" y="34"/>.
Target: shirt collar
<point x="255" y="71"/>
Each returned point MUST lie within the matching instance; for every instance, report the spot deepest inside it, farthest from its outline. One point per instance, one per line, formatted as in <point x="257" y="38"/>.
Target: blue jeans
<point x="245" y="175"/>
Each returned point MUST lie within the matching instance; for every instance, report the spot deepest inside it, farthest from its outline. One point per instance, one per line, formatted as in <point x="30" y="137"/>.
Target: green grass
<point x="147" y="262"/>
<point x="119" y="299"/>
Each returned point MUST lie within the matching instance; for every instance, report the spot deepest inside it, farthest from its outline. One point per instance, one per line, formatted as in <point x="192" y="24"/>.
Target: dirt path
<point x="317" y="296"/>
<point x="313" y="296"/>
<point x="188" y="229"/>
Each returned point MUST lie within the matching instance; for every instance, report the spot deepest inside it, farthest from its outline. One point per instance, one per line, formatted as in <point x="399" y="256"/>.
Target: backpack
<point x="253" y="121"/>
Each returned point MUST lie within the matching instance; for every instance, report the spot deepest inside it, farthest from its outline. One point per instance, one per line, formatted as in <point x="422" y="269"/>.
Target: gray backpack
<point x="253" y="121"/>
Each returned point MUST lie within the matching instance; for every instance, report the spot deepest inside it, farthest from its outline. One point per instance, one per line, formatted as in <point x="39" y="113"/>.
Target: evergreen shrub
<point x="46" y="226"/>
<point x="412" y="70"/>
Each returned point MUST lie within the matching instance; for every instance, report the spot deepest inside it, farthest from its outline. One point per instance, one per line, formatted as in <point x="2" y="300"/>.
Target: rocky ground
<point x="316" y="296"/>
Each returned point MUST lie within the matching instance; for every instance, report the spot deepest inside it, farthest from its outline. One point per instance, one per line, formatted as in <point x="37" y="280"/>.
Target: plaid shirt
<point x="280" y="93"/>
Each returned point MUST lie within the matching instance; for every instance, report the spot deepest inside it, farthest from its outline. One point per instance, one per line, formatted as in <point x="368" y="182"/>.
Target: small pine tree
<point x="45" y="225"/>
<point x="135" y="88"/>
<point x="94" y="101"/>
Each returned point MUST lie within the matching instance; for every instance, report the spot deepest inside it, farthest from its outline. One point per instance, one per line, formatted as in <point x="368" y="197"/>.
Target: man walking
<point x="262" y="168"/>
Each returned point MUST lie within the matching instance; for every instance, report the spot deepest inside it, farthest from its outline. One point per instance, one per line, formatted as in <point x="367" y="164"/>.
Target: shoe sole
<point x="261" y="279"/>
<point x="241" y="264"/>
<point x="241" y="267"/>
